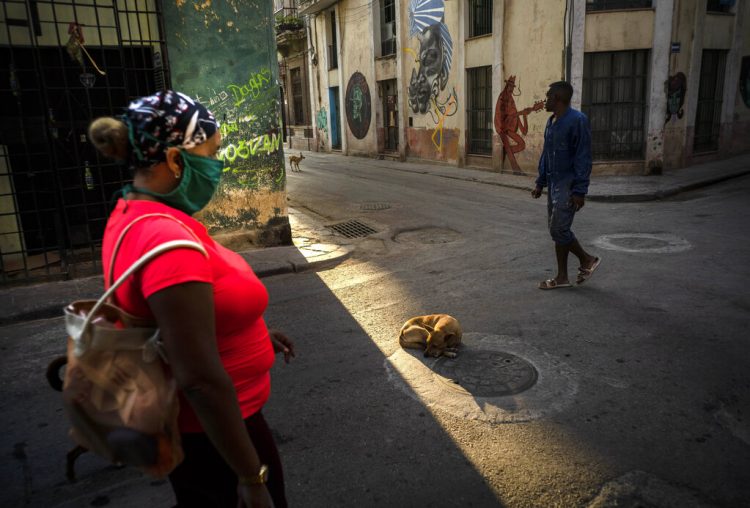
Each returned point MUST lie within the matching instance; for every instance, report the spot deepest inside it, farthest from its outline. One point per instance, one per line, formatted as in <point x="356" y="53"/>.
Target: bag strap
<point x="82" y="342"/>
<point x="111" y="272"/>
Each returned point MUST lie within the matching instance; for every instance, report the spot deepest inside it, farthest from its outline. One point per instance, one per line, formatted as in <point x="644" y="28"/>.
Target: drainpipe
<point x="311" y="53"/>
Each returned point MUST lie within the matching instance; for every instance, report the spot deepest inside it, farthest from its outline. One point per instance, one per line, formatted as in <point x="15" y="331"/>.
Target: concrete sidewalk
<point x="314" y="248"/>
<point x="621" y="189"/>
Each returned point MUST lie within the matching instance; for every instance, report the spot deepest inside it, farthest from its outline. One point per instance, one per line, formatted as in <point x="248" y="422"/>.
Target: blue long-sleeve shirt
<point x="566" y="158"/>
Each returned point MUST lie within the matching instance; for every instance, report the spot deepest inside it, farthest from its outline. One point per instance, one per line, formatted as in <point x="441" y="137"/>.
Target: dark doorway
<point x="333" y="98"/>
<point x="389" y="93"/>
<point x="710" y="99"/>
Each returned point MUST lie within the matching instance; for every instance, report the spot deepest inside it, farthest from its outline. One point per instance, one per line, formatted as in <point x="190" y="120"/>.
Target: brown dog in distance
<point x="437" y="334"/>
<point x="294" y="161"/>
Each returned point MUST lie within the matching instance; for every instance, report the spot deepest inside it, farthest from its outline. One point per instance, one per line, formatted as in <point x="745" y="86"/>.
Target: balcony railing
<point x="288" y="19"/>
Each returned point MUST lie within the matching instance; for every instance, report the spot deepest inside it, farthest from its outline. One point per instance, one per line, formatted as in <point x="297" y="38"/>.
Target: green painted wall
<point x="224" y="54"/>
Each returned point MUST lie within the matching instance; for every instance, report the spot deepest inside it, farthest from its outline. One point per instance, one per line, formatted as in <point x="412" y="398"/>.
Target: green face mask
<point x="200" y="178"/>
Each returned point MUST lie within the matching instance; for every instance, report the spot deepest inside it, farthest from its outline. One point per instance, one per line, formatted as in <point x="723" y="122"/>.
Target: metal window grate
<point x="55" y="191"/>
<point x="609" y="5"/>
<point x="333" y="57"/>
<point x="479" y="110"/>
<point x="710" y="99"/>
<point x="480" y="17"/>
<point x="614" y="99"/>
<point x="352" y="229"/>
<point x="387" y="27"/>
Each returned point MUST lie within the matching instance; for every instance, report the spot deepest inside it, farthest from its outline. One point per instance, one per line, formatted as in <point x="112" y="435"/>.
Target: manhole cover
<point x="495" y="378"/>
<point x="655" y="243"/>
<point x="352" y="229"/>
<point x="486" y="373"/>
<point x="427" y="236"/>
<point x="368" y="207"/>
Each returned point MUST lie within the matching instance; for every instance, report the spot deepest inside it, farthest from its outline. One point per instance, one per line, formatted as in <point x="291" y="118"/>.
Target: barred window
<point x="387" y="27"/>
<point x="298" y="103"/>
<point x="720" y="5"/>
<point x="480" y="110"/>
<point x="333" y="48"/>
<point x="480" y="17"/>
<point x="609" y="5"/>
<point x="710" y="95"/>
<point x="614" y="99"/>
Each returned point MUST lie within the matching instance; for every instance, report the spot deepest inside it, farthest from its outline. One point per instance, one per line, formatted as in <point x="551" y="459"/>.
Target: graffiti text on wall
<point x="253" y="88"/>
<point x="434" y="58"/>
<point x="358" y="105"/>
<point x="265" y="143"/>
<point x="510" y="123"/>
<point x="676" y="88"/>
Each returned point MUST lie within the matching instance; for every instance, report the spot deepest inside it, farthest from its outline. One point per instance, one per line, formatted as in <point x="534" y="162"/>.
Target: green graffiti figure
<point x="357" y="101"/>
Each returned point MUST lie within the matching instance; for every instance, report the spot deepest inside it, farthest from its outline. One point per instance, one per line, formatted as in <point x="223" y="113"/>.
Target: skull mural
<point x="426" y="21"/>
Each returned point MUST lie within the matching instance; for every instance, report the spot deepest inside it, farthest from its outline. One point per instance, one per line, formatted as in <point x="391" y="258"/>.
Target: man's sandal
<point x="585" y="274"/>
<point x="553" y="284"/>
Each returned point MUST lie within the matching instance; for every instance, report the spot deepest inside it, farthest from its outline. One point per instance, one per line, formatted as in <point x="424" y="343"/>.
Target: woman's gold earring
<point x="177" y="175"/>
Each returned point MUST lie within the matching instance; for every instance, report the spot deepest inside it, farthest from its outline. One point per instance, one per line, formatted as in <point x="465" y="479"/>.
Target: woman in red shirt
<point x="209" y="309"/>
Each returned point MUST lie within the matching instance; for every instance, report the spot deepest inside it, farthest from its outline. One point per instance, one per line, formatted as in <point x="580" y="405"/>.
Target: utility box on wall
<point x="224" y="55"/>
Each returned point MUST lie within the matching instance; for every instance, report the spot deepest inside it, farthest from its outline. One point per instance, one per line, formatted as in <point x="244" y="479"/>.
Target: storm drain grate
<point x="374" y="206"/>
<point x="352" y="229"/>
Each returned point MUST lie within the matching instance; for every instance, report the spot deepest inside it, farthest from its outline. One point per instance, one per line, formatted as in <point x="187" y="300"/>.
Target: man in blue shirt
<point x="565" y="169"/>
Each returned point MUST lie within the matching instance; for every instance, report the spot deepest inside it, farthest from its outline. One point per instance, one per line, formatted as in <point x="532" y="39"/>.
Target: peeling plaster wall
<point x="356" y="29"/>
<point x="675" y="130"/>
<point x="532" y="52"/>
<point x="224" y="54"/>
<point x="615" y="31"/>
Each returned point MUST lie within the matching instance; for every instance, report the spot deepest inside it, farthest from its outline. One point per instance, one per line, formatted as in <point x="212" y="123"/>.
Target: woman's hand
<point x="282" y="344"/>
<point x="253" y="496"/>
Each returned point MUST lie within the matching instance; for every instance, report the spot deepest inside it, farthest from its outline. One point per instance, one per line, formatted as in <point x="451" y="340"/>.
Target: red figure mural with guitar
<point x="509" y="121"/>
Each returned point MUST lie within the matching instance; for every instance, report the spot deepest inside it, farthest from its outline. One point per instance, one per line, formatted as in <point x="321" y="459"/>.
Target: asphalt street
<point x="643" y="371"/>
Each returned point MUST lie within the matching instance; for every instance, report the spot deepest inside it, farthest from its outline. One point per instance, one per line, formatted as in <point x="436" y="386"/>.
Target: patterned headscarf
<point x="164" y="120"/>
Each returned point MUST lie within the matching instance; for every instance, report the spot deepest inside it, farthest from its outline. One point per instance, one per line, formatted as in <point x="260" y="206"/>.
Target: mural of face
<point x="358" y="105"/>
<point x="430" y="78"/>
<point x="676" y="88"/>
<point x="435" y="53"/>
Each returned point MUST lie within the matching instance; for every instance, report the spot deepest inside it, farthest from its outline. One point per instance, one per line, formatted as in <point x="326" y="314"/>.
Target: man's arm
<point x="582" y="157"/>
<point x="541" y="179"/>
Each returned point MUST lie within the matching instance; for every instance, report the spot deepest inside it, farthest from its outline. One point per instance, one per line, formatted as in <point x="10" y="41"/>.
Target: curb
<point x="666" y="193"/>
<point x="48" y="311"/>
<point x="606" y="198"/>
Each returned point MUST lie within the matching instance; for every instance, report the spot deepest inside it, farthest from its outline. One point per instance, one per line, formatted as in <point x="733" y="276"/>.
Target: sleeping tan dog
<point x="437" y="334"/>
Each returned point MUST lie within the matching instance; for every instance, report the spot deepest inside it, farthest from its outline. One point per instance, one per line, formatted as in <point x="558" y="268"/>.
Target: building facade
<point x="663" y="82"/>
<point x="294" y="77"/>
